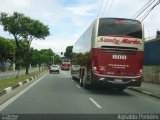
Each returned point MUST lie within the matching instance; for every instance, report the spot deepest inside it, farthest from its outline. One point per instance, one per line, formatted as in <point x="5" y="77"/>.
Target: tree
<point x="47" y="56"/>
<point x="69" y="53"/>
<point x="57" y="59"/>
<point x="37" y="58"/>
<point x="81" y="59"/>
<point x="7" y="50"/>
<point x="44" y="57"/>
<point x="23" y="28"/>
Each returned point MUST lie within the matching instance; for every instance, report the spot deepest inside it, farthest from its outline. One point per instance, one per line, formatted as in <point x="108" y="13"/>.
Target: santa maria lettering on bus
<point x="118" y="41"/>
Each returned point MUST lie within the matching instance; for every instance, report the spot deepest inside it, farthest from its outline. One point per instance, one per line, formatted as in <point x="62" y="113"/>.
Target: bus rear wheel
<point x="85" y="85"/>
<point x="81" y="82"/>
<point x="121" y="88"/>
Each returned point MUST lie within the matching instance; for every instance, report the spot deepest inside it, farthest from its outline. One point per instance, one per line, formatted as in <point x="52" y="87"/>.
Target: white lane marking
<point x="95" y="103"/>
<point x="78" y="86"/>
<point x="4" y="105"/>
<point x="147" y="92"/>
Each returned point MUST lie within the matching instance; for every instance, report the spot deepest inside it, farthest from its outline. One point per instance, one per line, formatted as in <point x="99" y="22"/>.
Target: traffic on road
<point x="60" y="94"/>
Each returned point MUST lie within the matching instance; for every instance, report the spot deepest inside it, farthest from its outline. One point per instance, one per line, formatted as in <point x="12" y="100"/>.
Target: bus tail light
<point x="139" y="72"/>
<point x="96" y="70"/>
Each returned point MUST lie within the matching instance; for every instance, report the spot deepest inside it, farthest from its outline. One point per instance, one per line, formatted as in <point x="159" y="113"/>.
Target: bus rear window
<point x="120" y="27"/>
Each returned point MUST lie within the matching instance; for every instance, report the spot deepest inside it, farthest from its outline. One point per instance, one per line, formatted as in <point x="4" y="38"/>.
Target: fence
<point x="151" y="74"/>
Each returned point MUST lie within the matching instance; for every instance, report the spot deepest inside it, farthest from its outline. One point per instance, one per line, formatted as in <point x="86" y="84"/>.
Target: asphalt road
<point x="59" y="94"/>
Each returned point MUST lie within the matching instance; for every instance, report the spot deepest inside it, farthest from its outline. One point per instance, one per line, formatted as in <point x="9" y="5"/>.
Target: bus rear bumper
<point x="120" y="82"/>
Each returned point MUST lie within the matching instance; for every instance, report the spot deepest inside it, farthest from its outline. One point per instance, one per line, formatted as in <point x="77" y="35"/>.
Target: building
<point x="152" y="52"/>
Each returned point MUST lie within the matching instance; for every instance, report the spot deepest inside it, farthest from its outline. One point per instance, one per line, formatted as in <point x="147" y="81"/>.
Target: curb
<point x="9" y="89"/>
<point x="145" y="92"/>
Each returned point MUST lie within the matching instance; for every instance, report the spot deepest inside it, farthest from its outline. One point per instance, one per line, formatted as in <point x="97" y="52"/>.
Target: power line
<point x="150" y="10"/>
<point x="143" y="8"/>
<point x="105" y="7"/>
<point x="100" y="9"/>
<point x="144" y="12"/>
<point x="110" y="6"/>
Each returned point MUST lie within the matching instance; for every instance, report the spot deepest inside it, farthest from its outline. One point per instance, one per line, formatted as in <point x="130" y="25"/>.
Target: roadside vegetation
<point x="151" y="74"/>
<point x="17" y="53"/>
<point x="4" y="83"/>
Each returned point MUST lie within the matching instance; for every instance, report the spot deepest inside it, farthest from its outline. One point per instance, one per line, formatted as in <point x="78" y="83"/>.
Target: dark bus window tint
<point x="120" y="27"/>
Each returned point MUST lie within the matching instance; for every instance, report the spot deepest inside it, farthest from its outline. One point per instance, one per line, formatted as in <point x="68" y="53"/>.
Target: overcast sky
<point x="68" y="19"/>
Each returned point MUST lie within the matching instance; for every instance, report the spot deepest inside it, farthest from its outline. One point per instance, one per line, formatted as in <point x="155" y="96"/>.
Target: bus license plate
<point x="118" y="81"/>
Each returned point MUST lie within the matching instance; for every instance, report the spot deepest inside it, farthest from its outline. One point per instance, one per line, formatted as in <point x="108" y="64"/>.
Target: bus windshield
<point x="119" y="27"/>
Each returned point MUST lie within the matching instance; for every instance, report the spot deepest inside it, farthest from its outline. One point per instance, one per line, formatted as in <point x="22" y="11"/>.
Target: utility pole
<point x="14" y="65"/>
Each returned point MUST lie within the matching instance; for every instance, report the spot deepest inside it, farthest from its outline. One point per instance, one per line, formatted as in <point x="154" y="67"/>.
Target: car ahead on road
<point x="75" y="71"/>
<point x="54" y="68"/>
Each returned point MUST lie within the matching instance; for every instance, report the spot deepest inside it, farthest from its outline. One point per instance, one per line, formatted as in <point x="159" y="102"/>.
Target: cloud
<point x="14" y="5"/>
<point x="58" y="45"/>
<point x="80" y="10"/>
<point x="68" y="19"/>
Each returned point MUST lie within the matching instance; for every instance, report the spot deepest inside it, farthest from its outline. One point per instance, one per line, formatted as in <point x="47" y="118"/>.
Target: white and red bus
<point x="65" y="64"/>
<point x="110" y="52"/>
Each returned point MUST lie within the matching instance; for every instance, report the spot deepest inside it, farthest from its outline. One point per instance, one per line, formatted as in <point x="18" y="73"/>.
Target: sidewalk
<point x="148" y="88"/>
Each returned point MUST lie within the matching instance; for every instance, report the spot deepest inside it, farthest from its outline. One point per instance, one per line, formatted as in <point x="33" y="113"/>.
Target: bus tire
<point x="121" y="88"/>
<point x="85" y="85"/>
<point x="81" y="82"/>
<point x="73" y="78"/>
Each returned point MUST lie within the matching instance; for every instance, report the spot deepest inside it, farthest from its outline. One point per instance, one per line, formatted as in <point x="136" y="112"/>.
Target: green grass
<point x="4" y="83"/>
<point x="151" y="66"/>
